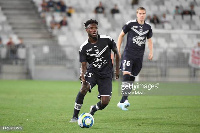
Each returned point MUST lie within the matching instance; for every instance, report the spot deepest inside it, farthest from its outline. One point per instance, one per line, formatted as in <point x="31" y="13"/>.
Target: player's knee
<point x="105" y="100"/>
<point x="132" y="78"/>
<point x="126" y="77"/>
<point x="85" y="88"/>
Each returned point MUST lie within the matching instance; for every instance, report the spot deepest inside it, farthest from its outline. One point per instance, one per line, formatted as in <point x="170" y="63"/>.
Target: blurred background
<point x="40" y="39"/>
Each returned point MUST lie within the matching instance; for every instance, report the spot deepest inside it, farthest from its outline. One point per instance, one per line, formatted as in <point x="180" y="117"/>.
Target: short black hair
<point x="91" y="21"/>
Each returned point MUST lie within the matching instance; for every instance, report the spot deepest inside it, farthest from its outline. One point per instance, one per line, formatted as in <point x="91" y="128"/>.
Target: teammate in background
<point x="131" y="64"/>
<point x="96" y="51"/>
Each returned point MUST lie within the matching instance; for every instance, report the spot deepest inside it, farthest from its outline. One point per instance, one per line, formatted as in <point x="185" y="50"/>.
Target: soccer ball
<point x="85" y="120"/>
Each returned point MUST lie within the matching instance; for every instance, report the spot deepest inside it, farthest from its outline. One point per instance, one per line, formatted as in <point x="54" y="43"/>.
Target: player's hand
<point x="150" y="57"/>
<point x="116" y="74"/>
<point x="82" y="78"/>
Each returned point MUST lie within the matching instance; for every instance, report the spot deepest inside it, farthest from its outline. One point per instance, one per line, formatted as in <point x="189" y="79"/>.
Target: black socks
<point x="78" y="104"/>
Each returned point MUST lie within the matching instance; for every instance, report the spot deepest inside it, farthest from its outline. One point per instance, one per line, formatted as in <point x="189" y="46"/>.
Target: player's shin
<point x="78" y="104"/>
<point x="126" y="78"/>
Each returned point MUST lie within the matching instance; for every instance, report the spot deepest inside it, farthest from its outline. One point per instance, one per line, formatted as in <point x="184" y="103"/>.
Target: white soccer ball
<point x="85" y="120"/>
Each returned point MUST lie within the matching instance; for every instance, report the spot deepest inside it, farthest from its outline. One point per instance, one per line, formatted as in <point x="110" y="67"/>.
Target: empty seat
<point x="175" y="37"/>
<point x="173" y="45"/>
<point x="79" y="36"/>
<point x="154" y="8"/>
<point x="197" y="10"/>
<point x="169" y="17"/>
<point x="195" y="17"/>
<point x="48" y="20"/>
<point x="162" y="8"/>
<point x="167" y="26"/>
<point x="118" y="16"/>
<point x="64" y="29"/>
<point x="187" y="17"/>
<point x="62" y="39"/>
<point x="183" y="36"/>
<point x="178" y="18"/>
<point x="159" y="26"/>
<point x="21" y="53"/>
<point x="162" y="42"/>
<point x="3" y="51"/>
<point x="185" y="27"/>
<point x="194" y="27"/>
<point x="91" y="15"/>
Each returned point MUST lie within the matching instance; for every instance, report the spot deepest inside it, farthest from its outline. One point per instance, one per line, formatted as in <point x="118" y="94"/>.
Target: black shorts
<point x="104" y="84"/>
<point x="133" y="66"/>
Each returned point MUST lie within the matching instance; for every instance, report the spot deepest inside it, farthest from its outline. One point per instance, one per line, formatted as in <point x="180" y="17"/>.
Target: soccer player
<point x="96" y="51"/>
<point x="131" y="64"/>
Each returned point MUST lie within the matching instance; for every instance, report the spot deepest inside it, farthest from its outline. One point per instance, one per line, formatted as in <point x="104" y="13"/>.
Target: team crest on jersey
<point x="140" y="33"/>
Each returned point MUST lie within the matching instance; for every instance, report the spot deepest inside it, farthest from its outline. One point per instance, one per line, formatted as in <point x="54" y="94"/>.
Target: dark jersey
<point x="136" y="38"/>
<point x="98" y="55"/>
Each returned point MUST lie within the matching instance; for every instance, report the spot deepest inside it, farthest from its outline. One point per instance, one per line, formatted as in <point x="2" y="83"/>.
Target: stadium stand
<point x="173" y="39"/>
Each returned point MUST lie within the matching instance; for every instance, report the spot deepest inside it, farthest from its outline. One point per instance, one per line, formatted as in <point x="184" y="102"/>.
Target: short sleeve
<point x="112" y="44"/>
<point x="126" y="28"/>
<point x="82" y="55"/>
<point x="150" y="34"/>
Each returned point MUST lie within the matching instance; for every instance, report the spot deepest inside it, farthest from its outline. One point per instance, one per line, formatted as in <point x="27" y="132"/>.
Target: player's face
<point x="92" y="30"/>
<point x="141" y="15"/>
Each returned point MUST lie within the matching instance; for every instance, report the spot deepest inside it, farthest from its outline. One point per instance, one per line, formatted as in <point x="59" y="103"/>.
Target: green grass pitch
<point x="47" y="107"/>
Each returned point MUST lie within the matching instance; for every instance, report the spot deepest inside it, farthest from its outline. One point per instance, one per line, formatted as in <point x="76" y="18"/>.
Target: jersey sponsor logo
<point x="102" y="51"/>
<point x="139" y="40"/>
<point x="99" y="61"/>
<point x="97" y="54"/>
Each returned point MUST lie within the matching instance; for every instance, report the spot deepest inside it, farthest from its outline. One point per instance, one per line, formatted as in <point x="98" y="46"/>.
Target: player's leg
<point x="126" y="67"/>
<point x="130" y="78"/>
<point x="86" y="86"/>
<point x="136" y="68"/>
<point x="100" y="105"/>
<point x="123" y="104"/>
<point x="105" y="91"/>
<point x="126" y="78"/>
<point x="79" y="100"/>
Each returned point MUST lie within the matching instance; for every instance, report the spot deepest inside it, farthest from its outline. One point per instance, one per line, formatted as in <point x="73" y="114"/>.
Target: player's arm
<point x="117" y="62"/>
<point x="150" y="45"/>
<point x="83" y="71"/>
<point x="119" y="41"/>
